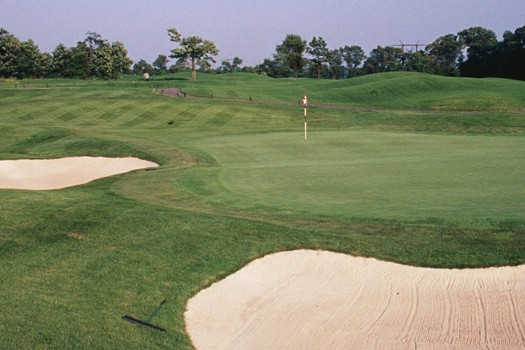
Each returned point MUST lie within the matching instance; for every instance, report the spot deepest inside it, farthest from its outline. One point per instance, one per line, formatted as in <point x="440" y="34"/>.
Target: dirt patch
<point x="50" y="174"/>
<point x="321" y="300"/>
<point x="177" y="92"/>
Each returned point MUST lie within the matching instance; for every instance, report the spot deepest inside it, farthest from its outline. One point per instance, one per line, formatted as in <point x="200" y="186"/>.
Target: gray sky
<point x="251" y="29"/>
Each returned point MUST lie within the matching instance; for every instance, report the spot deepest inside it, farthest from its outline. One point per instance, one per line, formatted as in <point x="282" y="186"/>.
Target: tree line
<point x="92" y="57"/>
<point x="485" y="57"/>
<point x="161" y="66"/>
<point x="473" y="52"/>
<point x="192" y="51"/>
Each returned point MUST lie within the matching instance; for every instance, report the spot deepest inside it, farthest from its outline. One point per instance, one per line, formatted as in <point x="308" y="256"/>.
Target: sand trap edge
<point x="60" y="173"/>
<point x="496" y="273"/>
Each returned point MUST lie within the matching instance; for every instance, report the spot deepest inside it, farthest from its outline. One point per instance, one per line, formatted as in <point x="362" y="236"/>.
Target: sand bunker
<point x="320" y="300"/>
<point x="50" y="174"/>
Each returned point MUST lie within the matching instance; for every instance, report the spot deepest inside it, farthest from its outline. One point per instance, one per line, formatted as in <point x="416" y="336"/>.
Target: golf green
<point x="368" y="174"/>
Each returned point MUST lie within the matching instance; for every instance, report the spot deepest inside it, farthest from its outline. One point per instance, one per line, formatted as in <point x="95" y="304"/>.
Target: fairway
<point x="430" y="178"/>
<point x="357" y="174"/>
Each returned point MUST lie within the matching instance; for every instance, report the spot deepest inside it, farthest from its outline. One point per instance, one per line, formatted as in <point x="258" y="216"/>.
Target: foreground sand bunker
<point x="50" y="174"/>
<point x="320" y="300"/>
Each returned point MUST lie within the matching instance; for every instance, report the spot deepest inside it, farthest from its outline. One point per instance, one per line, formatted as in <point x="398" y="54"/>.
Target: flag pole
<point x="304" y="102"/>
<point x="305" y="126"/>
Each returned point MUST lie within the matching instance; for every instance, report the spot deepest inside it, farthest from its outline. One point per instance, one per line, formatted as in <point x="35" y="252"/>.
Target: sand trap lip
<point x="308" y="299"/>
<point x="51" y="174"/>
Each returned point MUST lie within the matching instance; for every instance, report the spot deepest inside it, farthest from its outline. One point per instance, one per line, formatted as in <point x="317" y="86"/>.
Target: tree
<point x="79" y="60"/>
<point x="480" y="43"/>
<point x="28" y="61"/>
<point x="318" y="50"/>
<point x="478" y="39"/>
<point x="192" y="48"/>
<point x="291" y="50"/>
<point x="204" y="65"/>
<point x="335" y="61"/>
<point x="353" y="57"/>
<point x="9" y="51"/>
<point x="249" y="69"/>
<point x="226" y="66"/>
<point x="45" y="64"/>
<point x="161" y="64"/>
<point x="418" y="61"/>
<point x="142" y="67"/>
<point x="384" y="59"/>
<point x="61" y="64"/>
<point x="93" y="41"/>
<point x="103" y="61"/>
<point x="179" y="66"/>
<point x="445" y="52"/>
<point x="274" y="67"/>
<point x="121" y="61"/>
<point x="512" y="54"/>
<point x="236" y="63"/>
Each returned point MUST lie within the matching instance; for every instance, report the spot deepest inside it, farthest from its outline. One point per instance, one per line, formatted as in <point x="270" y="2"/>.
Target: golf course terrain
<point x="408" y="168"/>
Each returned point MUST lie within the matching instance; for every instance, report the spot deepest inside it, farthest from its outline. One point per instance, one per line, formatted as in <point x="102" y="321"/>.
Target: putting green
<point x="367" y="174"/>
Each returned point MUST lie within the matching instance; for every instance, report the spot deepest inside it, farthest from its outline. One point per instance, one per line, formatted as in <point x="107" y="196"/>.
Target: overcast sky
<point x="251" y="29"/>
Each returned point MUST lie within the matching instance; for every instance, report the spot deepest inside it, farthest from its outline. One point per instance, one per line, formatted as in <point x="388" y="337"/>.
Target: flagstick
<point x="305" y="134"/>
<point x="304" y="102"/>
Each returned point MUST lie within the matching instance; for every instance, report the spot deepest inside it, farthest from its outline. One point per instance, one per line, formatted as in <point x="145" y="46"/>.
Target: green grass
<point x="358" y="174"/>
<point x="393" y="90"/>
<point x="406" y="179"/>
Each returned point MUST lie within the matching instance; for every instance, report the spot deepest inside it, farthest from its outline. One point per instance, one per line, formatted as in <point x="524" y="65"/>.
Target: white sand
<point x="320" y="300"/>
<point x="50" y="174"/>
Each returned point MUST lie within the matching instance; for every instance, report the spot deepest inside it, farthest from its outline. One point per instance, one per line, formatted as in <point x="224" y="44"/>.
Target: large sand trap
<point x="320" y="300"/>
<point x="50" y="174"/>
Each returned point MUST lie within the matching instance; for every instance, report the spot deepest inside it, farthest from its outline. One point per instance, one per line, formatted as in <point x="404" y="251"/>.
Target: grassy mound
<point x="394" y="90"/>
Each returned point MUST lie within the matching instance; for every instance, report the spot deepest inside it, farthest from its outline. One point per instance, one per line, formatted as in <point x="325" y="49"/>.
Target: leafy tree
<point x="478" y="39"/>
<point x="28" y="61"/>
<point x="80" y="60"/>
<point x="249" y="69"/>
<point x="335" y="63"/>
<point x="487" y="57"/>
<point x="319" y="51"/>
<point x="274" y="67"/>
<point x="236" y="63"/>
<point x="512" y="54"/>
<point x="103" y="61"/>
<point x="161" y="64"/>
<point x="226" y="66"/>
<point x="142" y="67"/>
<point x="480" y="43"/>
<point x="9" y="51"/>
<point x="445" y="52"/>
<point x="62" y="61"/>
<point x="204" y="65"/>
<point x="353" y="57"/>
<point x="192" y="48"/>
<point x="45" y="64"/>
<point x="418" y="61"/>
<point x="292" y="50"/>
<point x="179" y="66"/>
<point x="93" y="41"/>
<point x="384" y="59"/>
<point x="121" y="61"/>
